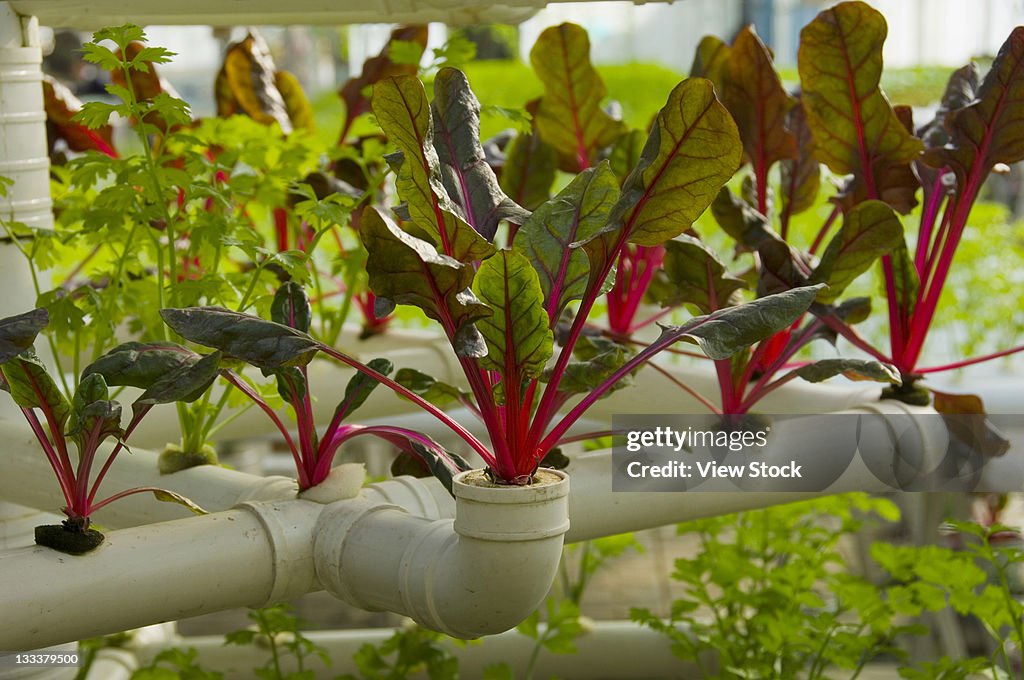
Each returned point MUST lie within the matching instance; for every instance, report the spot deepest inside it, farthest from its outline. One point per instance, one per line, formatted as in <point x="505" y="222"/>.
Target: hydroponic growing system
<point x="472" y="563"/>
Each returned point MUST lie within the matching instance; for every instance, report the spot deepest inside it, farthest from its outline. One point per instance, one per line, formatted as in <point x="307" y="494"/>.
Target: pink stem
<point x="970" y="362"/>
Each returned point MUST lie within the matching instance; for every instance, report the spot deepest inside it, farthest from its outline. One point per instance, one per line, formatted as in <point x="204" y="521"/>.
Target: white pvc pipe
<point x="23" y="153"/>
<point x="596" y="510"/>
<point x="239" y="558"/>
<point x="481" y="575"/>
<point x="482" y="578"/>
<point x="608" y="649"/>
<point x="26" y="478"/>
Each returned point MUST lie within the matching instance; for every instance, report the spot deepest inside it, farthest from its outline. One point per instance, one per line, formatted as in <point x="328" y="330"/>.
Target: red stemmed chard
<point x="516" y="316"/>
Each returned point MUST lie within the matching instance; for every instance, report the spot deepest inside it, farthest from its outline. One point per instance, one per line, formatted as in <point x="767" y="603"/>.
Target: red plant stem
<point x="127" y="492"/>
<point x="117" y="448"/>
<point x="970" y="362"/>
<point x="668" y="350"/>
<point x="242" y="387"/>
<point x="723" y="367"/>
<point x="65" y="476"/>
<point x="443" y="417"/>
<point x="924" y="234"/>
<point x="281" y="229"/>
<point x="652" y="319"/>
<point x="820" y="238"/>
<point x="853" y="337"/>
<point x="587" y="436"/>
<point x="897" y="333"/>
<point x="686" y="388"/>
<point x="749" y="402"/>
<point x="754" y="394"/>
<point x="934" y="249"/>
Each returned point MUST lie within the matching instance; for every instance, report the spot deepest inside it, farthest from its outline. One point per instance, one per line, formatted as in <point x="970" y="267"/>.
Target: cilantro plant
<point x="87" y="419"/>
<point x="974" y="581"/>
<point x="278" y="629"/>
<point x="768" y="596"/>
<point x="500" y="307"/>
<point x="186" y="219"/>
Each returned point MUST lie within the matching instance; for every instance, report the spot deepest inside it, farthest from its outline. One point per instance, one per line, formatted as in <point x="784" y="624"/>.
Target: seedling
<point x="89" y="418"/>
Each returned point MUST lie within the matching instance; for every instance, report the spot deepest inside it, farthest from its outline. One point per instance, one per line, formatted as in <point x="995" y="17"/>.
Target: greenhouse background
<point x="267" y="206"/>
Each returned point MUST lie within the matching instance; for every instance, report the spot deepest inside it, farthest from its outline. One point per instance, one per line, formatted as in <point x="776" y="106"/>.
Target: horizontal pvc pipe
<point x="608" y="649"/>
<point x="82" y="14"/>
<point x="247" y="557"/>
<point x="482" y="574"/>
<point x="26" y="478"/>
<point x="598" y="511"/>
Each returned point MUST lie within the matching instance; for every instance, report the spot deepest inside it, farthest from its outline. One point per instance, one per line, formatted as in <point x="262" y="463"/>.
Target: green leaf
<point x="693" y="150"/>
<point x="548" y="238"/>
<point x="625" y="154"/>
<point x="599" y="359"/>
<point x="291" y="307"/>
<point x="264" y="344"/>
<point x="529" y="170"/>
<point x="753" y="93"/>
<point x="17" y="333"/>
<point x="569" y="116"/>
<point x="693" y="275"/>
<point x="727" y="331"/>
<point x="744" y="224"/>
<point x="800" y="177"/>
<point x="140" y="364"/>
<point x="988" y="131"/>
<point x="854" y="369"/>
<point x="91" y="388"/>
<point x="710" y="60"/>
<point x="519" y="339"/>
<point x="870" y="230"/>
<point x="400" y="105"/>
<point x="465" y="173"/>
<point x="359" y="388"/>
<point x="94" y="423"/>
<point x="32" y="387"/>
<point x="436" y="392"/>
<point x="410" y="271"/>
<point x="905" y="278"/>
<point x="185" y="385"/>
<point x="840" y="64"/>
<point x="173" y="497"/>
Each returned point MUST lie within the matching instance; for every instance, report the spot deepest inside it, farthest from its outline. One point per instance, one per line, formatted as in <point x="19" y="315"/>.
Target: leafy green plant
<point x="499" y="308"/>
<point x="87" y="419"/>
<point x="768" y="597"/>
<point x="278" y="629"/>
<point x="409" y="651"/>
<point x="255" y="341"/>
<point x="975" y="581"/>
<point x="175" y="664"/>
<point x="843" y="120"/>
<point x="185" y="219"/>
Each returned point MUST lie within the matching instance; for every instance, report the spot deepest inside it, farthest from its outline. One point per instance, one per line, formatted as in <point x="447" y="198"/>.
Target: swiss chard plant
<point x="573" y="133"/>
<point x="314" y="454"/>
<point x="842" y="120"/>
<point x="516" y="316"/>
<point x="87" y="420"/>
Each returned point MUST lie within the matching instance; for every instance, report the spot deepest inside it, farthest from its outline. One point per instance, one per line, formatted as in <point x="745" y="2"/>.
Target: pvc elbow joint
<point x="483" y="578"/>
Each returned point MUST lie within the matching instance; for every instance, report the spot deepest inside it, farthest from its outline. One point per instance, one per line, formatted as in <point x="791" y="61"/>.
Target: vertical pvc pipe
<point x="23" y="152"/>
